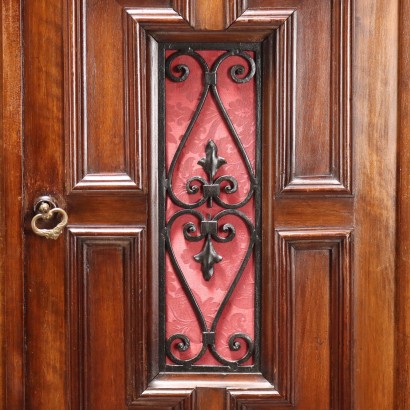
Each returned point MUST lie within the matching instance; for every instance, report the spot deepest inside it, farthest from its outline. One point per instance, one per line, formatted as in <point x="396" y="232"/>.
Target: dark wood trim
<point x="79" y="178"/>
<point x="11" y="238"/>
<point x="338" y="181"/>
<point x="402" y="343"/>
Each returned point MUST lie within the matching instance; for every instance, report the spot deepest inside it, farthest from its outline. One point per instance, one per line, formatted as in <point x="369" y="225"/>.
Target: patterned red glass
<point x="181" y="100"/>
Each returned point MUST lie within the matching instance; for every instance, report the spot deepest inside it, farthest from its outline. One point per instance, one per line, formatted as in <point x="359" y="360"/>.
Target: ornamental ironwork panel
<point x="209" y="206"/>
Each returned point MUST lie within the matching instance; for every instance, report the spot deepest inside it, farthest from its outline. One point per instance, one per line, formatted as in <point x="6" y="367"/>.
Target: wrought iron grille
<point x="203" y="216"/>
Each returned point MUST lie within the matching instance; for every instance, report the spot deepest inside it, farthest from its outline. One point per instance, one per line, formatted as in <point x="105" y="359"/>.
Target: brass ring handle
<point x="46" y="213"/>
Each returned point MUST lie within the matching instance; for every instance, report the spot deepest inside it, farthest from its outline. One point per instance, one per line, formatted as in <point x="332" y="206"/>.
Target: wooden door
<point x="95" y="117"/>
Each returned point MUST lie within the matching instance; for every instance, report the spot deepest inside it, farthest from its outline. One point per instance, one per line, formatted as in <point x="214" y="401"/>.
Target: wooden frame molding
<point x="338" y="244"/>
<point x="144" y="28"/>
<point x="190" y="9"/>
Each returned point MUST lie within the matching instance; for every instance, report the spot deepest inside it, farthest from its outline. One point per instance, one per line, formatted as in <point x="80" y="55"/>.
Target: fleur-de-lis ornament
<point x="211" y="162"/>
<point x="212" y="187"/>
<point x="207" y="258"/>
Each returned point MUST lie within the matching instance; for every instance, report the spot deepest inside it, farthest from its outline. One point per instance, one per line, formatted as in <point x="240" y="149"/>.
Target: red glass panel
<point x="181" y="101"/>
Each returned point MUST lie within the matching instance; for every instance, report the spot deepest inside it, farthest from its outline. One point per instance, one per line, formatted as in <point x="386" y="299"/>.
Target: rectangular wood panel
<point x="314" y="99"/>
<point x="107" y="274"/>
<point x="315" y="277"/>
<point x="104" y="109"/>
<point x="312" y="318"/>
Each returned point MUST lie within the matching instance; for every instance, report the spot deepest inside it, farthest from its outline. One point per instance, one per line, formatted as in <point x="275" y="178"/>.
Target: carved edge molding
<point x="339" y="180"/>
<point x="233" y="9"/>
<point x="186" y="9"/>
<point x="182" y="399"/>
<point x="339" y="243"/>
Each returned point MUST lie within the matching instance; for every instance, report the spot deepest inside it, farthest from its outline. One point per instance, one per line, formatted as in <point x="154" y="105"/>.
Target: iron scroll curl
<point x="210" y="84"/>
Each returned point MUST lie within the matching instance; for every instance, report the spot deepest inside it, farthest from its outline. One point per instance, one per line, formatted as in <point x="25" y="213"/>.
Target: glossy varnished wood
<point x="104" y="140"/>
<point x="329" y="205"/>
<point x="302" y="211"/>
<point x="102" y="318"/>
<point x="375" y="131"/>
<point x="315" y="284"/>
<point x="46" y="347"/>
<point x="11" y="238"/>
<point x="96" y="208"/>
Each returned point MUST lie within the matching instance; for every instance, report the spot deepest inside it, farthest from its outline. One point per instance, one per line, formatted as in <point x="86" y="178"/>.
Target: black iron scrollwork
<point x="189" y="230"/>
<point x="209" y="229"/>
<point x="210" y="83"/>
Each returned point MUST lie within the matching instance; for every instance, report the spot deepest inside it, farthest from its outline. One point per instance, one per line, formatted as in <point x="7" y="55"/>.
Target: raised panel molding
<point x="108" y="270"/>
<point x="181" y="18"/>
<point x="339" y="178"/>
<point x="328" y="298"/>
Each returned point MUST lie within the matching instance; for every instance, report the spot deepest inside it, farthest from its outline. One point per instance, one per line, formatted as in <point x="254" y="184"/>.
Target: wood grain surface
<point x="11" y="236"/>
<point x="79" y="316"/>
